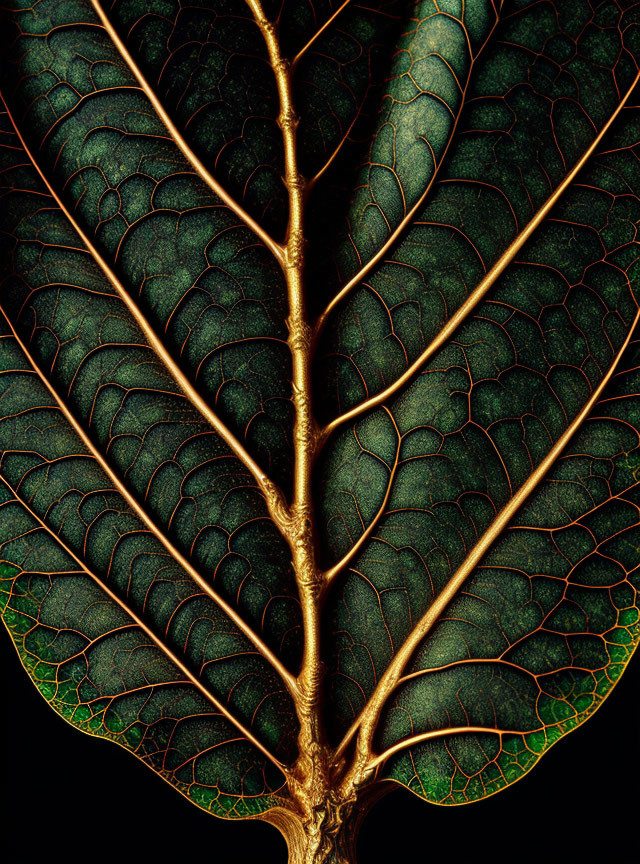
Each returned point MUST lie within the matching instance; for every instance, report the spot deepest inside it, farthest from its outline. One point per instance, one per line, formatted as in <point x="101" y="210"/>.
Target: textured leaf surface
<point x="543" y="628"/>
<point x="471" y="179"/>
<point x="83" y="649"/>
<point x="522" y="649"/>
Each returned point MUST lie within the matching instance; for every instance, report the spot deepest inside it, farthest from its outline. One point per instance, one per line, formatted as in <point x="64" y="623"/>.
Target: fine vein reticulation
<point x="319" y="366"/>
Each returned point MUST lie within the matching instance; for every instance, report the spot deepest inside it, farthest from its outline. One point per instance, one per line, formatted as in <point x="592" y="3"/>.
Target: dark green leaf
<point x="448" y="227"/>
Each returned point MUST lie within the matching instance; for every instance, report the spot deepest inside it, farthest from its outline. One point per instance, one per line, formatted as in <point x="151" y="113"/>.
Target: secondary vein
<point x="147" y="630"/>
<point x="255" y="640"/>
<point x="175" y="134"/>
<point x="367" y="720"/>
<point x="272" y="495"/>
<point x="483" y="287"/>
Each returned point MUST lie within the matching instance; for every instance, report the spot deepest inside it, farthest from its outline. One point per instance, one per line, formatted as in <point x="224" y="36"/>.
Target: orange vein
<point x="478" y="293"/>
<point x="330" y="574"/>
<point x="440" y="733"/>
<point x="360" y="275"/>
<point x="272" y="495"/>
<point x="255" y="640"/>
<point x="319" y="33"/>
<point x="387" y="683"/>
<point x="325" y="167"/>
<point x="164" y="648"/>
<point x="187" y="152"/>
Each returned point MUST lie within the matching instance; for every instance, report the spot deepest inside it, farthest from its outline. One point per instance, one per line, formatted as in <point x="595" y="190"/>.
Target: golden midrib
<point x="246" y="733"/>
<point x="175" y="553"/>
<point x="197" y="165"/>
<point x="483" y="287"/>
<point x="369" y="715"/>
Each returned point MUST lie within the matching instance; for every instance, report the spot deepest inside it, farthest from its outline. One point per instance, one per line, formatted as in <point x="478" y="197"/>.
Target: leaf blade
<point x="469" y="222"/>
<point x="408" y="557"/>
<point x="386" y="685"/>
<point x="152" y="216"/>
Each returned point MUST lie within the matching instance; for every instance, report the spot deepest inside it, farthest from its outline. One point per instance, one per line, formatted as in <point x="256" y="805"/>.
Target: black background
<point x="73" y="798"/>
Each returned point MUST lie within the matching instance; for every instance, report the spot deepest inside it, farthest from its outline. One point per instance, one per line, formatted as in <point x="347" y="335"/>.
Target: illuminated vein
<point x="408" y="218"/>
<point x="157" y="532"/>
<point x="319" y="32"/>
<point x="331" y="574"/>
<point x="442" y="733"/>
<point x="187" y="152"/>
<point x="367" y="720"/>
<point x="220" y="708"/>
<point x="271" y="493"/>
<point x="487" y="282"/>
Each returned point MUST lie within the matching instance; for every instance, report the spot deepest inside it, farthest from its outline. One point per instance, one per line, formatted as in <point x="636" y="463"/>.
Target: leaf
<point x="319" y="388"/>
